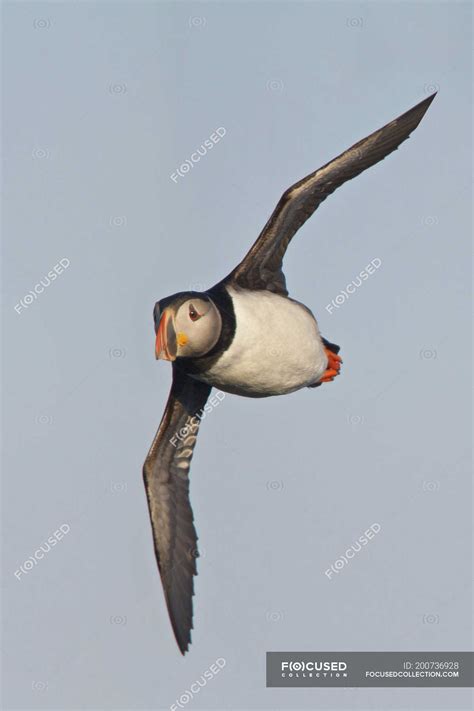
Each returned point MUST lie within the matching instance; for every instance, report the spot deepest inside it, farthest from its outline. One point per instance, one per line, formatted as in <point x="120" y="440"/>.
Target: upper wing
<point x="165" y="472"/>
<point x="261" y="268"/>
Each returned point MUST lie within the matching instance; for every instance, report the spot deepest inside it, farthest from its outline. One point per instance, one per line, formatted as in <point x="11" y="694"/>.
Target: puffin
<point x="245" y="336"/>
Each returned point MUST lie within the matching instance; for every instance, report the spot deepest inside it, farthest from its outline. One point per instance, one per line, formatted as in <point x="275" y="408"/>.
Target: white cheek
<point x="199" y="335"/>
<point x="183" y="323"/>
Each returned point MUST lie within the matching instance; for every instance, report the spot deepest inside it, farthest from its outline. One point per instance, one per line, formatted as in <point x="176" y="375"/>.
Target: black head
<point x="187" y="324"/>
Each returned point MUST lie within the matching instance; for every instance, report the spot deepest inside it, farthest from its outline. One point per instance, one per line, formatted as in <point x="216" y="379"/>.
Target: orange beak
<point x="165" y="344"/>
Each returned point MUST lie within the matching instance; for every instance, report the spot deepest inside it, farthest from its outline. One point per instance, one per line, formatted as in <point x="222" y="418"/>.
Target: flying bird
<point x="245" y="336"/>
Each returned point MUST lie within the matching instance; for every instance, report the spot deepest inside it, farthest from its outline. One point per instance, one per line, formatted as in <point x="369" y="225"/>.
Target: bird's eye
<point x="193" y="314"/>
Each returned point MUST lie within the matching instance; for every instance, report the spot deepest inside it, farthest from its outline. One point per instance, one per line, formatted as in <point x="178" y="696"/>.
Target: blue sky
<point x="102" y="103"/>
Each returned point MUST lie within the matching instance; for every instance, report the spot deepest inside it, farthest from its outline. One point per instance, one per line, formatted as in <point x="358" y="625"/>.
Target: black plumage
<point x="166" y="469"/>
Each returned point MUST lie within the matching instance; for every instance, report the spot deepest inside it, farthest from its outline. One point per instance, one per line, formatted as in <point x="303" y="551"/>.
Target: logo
<point x="313" y="668"/>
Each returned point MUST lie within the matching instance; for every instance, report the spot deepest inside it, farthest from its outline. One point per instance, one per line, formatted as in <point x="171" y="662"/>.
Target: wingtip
<point x="182" y="637"/>
<point x="430" y="98"/>
<point x="425" y="103"/>
<point x="413" y="116"/>
<point x="183" y="647"/>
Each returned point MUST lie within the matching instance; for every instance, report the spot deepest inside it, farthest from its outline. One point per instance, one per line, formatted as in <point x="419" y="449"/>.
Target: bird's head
<point x="187" y="325"/>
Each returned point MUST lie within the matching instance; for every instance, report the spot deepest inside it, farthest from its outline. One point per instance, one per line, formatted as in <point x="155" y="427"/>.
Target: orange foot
<point x="334" y="366"/>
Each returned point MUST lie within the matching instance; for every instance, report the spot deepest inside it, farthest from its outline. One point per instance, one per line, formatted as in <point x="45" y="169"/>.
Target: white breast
<point x="276" y="349"/>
